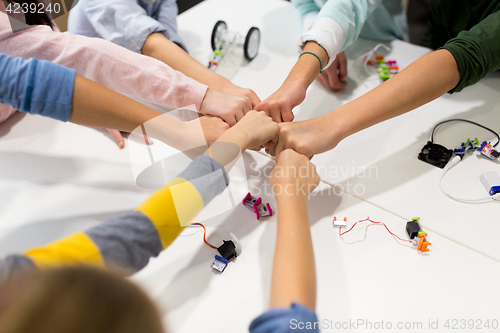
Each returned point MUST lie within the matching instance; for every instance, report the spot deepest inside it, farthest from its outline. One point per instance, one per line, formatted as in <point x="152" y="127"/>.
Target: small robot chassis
<point x="224" y="40"/>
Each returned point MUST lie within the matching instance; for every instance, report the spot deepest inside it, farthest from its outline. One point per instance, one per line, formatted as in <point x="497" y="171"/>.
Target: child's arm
<point x="159" y="47"/>
<point x="293" y="286"/>
<point x="294" y="272"/>
<point x="51" y="90"/>
<point x="405" y="91"/>
<point x="337" y="26"/>
<point x="126" y="23"/>
<point x="461" y="62"/>
<point x="129" y="241"/>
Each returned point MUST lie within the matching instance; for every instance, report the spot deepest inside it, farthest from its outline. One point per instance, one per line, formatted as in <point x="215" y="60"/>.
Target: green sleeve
<point x="436" y="34"/>
<point x="476" y="51"/>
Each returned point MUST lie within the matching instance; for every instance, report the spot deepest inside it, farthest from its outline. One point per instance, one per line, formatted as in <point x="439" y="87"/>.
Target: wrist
<point x="291" y="192"/>
<point x="291" y="202"/>
<point x="303" y="73"/>
<point x="333" y="125"/>
<point x="220" y="83"/>
<point x="237" y="137"/>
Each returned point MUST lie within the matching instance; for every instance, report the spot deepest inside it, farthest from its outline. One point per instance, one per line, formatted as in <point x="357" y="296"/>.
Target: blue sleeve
<point x="297" y="318"/>
<point x="167" y="16"/>
<point x="123" y="22"/>
<point x="37" y="86"/>
<point x="305" y="6"/>
<point x="351" y="15"/>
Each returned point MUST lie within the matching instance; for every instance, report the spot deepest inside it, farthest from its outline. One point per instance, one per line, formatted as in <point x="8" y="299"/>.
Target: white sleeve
<point x="328" y="34"/>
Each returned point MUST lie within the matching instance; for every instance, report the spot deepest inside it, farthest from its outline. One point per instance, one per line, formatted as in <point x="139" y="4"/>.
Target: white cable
<point x="454" y="161"/>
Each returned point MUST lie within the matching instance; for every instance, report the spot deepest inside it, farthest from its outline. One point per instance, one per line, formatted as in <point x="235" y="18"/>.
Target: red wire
<point x="204" y="234"/>
<point x="368" y="219"/>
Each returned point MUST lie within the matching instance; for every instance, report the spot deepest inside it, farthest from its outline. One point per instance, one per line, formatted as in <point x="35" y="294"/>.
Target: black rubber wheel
<point x="219" y="25"/>
<point x="252" y="42"/>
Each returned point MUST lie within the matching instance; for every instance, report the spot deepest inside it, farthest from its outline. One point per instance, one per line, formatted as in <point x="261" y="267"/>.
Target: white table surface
<point x="58" y="178"/>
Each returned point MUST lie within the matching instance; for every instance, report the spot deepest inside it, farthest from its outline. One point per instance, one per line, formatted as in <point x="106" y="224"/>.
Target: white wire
<point x="368" y="55"/>
<point x="453" y="162"/>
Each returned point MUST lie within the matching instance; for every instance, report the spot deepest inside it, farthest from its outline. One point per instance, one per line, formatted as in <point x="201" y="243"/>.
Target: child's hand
<point x="231" y="108"/>
<point x="253" y="130"/>
<point x="235" y="90"/>
<point x="293" y="175"/>
<point x="333" y="77"/>
<point x="280" y="104"/>
<point x="308" y="137"/>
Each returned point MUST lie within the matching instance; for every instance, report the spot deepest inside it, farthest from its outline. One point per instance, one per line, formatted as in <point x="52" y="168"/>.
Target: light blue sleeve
<point x="37" y="86"/>
<point x="123" y="22"/>
<point x="167" y="16"/>
<point x="351" y="15"/>
<point x="305" y="6"/>
<point x="296" y="319"/>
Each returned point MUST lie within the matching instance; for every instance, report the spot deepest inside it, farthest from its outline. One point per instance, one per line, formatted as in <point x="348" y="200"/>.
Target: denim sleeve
<point x="123" y="22"/>
<point x="37" y="86"/>
<point x="297" y="318"/>
<point x="167" y="16"/>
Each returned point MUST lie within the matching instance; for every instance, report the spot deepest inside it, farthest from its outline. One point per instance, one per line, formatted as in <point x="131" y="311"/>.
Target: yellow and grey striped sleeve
<point x="129" y="241"/>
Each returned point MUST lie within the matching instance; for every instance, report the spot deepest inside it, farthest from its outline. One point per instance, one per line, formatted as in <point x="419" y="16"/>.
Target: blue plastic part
<point x="494" y="190"/>
<point x="219" y="264"/>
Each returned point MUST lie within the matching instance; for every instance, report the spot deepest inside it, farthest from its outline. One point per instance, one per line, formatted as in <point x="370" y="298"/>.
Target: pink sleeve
<point x="103" y="62"/>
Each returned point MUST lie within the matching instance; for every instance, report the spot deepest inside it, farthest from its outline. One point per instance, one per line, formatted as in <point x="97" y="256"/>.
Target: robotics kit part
<point x="223" y="40"/>
<point x="491" y="182"/>
<point x="489" y="151"/>
<point x="435" y="154"/>
<point x="255" y="204"/>
<point x="415" y="233"/>
<point x="219" y="264"/>
<point x="339" y="223"/>
<point x="229" y="250"/>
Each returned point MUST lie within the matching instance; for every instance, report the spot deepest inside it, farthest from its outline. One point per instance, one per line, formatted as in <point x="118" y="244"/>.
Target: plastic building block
<point x="263" y="211"/>
<point x="489" y="151"/>
<point x="227" y="250"/>
<point x="417" y="235"/>
<point x="421" y="242"/>
<point x="386" y="69"/>
<point x="491" y="182"/>
<point x="219" y="264"/>
<point x="339" y="222"/>
<point x="251" y="202"/>
<point x="255" y="204"/>
<point x="412" y="229"/>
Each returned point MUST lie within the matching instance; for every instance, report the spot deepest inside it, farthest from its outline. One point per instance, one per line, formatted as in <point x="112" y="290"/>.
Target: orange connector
<point x="422" y="244"/>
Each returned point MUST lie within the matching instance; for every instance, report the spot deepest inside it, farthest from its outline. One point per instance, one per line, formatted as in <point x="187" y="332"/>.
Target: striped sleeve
<point x="130" y="240"/>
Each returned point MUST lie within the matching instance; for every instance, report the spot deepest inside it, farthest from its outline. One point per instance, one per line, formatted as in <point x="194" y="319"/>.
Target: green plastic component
<point x="415" y="218"/>
<point x="385" y="76"/>
<point x="421" y="232"/>
<point x="218" y="52"/>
